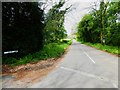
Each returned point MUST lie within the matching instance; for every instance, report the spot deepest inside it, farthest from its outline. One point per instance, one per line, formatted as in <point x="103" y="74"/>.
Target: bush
<point x="66" y="41"/>
<point x="52" y="50"/>
<point x="21" y="31"/>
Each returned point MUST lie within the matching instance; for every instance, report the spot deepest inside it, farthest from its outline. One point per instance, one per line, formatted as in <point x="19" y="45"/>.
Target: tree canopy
<point x="101" y="26"/>
<point x="54" y="28"/>
<point x="27" y="28"/>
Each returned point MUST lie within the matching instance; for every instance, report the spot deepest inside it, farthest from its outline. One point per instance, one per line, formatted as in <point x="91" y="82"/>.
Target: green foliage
<point x="110" y="49"/>
<point x="101" y="24"/>
<point x="22" y="27"/>
<point x="27" y="29"/>
<point x="52" y="50"/>
<point x="87" y="30"/>
<point x="54" y="24"/>
<point x="69" y="41"/>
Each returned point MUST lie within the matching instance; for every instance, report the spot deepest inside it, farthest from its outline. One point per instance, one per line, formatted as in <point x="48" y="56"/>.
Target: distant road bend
<point x="83" y="67"/>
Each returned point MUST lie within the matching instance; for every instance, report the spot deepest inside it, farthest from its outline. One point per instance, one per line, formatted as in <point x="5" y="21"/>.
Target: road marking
<point x="114" y="85"/>
<point x="84" y="73"/>
<point x="69" y="69"/>
<point x="91" y="75"/>
<point x="89" y="57"/>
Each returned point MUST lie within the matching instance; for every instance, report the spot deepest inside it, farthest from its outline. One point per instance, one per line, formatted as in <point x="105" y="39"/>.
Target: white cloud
<point x="77" y="11"/>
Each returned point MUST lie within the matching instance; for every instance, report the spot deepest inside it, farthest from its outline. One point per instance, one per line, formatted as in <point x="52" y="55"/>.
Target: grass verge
<point x="111" y="49"/>
<point x="52" y="50"/>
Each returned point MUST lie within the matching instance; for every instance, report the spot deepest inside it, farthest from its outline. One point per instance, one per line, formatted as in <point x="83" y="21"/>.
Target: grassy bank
<point x="52" y="50"/>
<point x="111" y="49"/>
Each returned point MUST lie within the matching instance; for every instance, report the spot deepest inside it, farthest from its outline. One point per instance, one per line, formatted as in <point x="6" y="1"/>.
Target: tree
<point x="113" y="27"/>
<point x="54" y="28"/>
<point x="101" y="24"/>
<point x="22" y="27"/>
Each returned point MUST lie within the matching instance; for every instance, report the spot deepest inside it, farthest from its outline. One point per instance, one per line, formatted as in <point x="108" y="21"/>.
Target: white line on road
<point x="114" y="85"/>
<point x="91" y="75"/>
<point x="81" y="72"/>
<point x="89" y="57"/>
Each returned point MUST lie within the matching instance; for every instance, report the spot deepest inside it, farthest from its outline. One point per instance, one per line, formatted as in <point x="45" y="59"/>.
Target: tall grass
<point x="107" y="48"/>
<point x="52" y="50"/>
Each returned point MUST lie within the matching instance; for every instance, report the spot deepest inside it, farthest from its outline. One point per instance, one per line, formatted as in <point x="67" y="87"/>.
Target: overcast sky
<point x="78" y="9"/>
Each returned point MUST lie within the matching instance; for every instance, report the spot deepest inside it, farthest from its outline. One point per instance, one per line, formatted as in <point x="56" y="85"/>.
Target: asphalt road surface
<point x="83" y="67"/>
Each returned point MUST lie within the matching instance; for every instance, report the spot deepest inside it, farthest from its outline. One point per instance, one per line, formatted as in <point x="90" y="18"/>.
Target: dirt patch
<point x="28" y="67"/>
<point x="26" y="75"/>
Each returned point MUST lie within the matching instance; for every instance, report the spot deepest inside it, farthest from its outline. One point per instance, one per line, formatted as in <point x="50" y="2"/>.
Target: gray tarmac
<point x="83" y="67"/>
